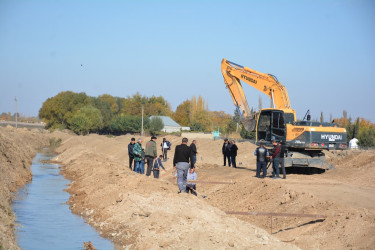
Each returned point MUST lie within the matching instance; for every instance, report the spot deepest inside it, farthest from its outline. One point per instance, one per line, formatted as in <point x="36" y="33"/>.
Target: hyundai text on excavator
<point x="305" y="140"/>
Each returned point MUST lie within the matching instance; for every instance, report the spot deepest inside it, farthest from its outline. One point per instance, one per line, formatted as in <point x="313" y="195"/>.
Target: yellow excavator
<point x="304" y="140"/>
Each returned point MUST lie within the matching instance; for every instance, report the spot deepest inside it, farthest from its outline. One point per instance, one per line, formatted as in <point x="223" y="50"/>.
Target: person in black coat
<point x="130" y="152"/>
<point x="233" y="153"/>
<point x="194" y="150"/>
<point x="226" y="152"/>
<point x="183" y="155"/>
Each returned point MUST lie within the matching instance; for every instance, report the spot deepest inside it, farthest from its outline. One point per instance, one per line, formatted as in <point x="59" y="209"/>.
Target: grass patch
<point x="54" y="143"/>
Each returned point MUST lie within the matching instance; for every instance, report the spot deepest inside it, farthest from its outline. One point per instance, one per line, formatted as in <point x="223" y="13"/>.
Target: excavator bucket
<point x="249" y="122"/>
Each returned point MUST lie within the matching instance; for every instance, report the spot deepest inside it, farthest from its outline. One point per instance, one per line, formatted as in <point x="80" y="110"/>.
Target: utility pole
<point x="142" y="122"/>
<point x="16" y="114"/>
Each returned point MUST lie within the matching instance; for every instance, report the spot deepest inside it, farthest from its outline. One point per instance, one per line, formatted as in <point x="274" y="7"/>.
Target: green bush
<point x="156" y="124"/>
<point x="87" y="119"/>
<point x="127" y="124"/>
<point x="246" y="134"/>
<point x="54" y="143"/>
<point x="196" y="126"/>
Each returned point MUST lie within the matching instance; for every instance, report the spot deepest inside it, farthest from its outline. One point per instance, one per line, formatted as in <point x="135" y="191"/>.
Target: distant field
<point x="21" y="124"/>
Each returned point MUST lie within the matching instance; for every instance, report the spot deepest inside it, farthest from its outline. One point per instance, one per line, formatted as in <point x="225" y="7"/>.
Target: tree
<point x="197" y="108"/>
<point x="202" y="117"/>
<point x="236" y="116"/>
<point x="111" y="101"/>
<point x="246" y="134"/>
<point x="230" y="127"/>
<point x="366" y="133"/>
<point x="219" y="119"/>
<point x="87" y="119"/>
<point x="345" y="114"/>
<point x="321" y="117"/>
<point x="182" y="114"/>
<point x="196" y="126"/>
<point x="193" y="108"/>
<point x="105" y="110"/>
<point x="156" y="124"/>
<point x="361" y="129"/>
<point x="152" y="105"/>
<point x="123" y="124"/>
<point x="366" y="137"/>
<point x="356" y="128"/>
<point x="58" y="111"/>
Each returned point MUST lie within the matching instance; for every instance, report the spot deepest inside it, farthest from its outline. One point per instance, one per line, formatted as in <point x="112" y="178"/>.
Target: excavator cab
<point x="271" y="125"/>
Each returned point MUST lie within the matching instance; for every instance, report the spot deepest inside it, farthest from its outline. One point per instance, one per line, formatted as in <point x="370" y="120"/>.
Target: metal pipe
<point x="211" y="182"/>
<point x="276" y="214"/>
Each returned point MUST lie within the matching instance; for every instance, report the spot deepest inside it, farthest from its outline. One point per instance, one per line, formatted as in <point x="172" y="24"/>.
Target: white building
<point x="170" y="125"/>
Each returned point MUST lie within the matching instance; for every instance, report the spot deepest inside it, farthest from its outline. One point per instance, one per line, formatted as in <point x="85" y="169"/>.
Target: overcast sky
<point x="322" y="51"/>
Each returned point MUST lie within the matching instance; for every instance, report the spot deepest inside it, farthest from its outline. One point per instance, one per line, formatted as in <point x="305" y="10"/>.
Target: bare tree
<point x="345" y="114"/>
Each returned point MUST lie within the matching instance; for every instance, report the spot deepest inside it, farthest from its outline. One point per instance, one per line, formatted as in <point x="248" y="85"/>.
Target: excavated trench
<point x="44" y="220"/>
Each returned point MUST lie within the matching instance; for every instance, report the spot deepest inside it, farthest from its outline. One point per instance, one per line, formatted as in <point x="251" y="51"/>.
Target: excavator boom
<point x="266" y="83"/>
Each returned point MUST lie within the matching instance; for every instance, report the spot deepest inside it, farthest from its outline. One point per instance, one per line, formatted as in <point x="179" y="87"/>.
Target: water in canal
<point x="44" y="219"/>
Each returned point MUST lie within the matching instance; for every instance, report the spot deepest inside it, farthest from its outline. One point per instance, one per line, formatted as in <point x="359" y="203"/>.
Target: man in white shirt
<point x="191" y="186"/>
<point x="164" y="149"/>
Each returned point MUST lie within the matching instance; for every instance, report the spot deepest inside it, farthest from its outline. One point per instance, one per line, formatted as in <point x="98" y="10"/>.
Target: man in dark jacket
<point x="275" y="156"/>
<point x="226" y="153"/>
<point x="194" y="149"/>
<point x="182" y="156"/>
<point x="261" y="153"/>
<point x="233" y="153"/>
<point x="130" y="152"/>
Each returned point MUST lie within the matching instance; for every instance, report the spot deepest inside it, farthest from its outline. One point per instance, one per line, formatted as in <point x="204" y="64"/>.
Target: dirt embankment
<point x="17" y="149"/>
<point x="140" y="212"/>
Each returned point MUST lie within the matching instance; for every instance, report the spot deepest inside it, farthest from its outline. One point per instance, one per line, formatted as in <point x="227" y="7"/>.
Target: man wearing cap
<point x="151" y="153"/>
<point x="182" y="156"/>
<point x="261" y="153"/>
<point x="275" y="159"/>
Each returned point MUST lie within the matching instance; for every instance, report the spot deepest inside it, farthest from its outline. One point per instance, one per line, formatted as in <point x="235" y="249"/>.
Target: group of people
<point x="264" y="156"/>
<point x="229" y="151"/>
<point x="276" y="156"/>
<point x="184" y="158"/>
<point x="140" y="156"/>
